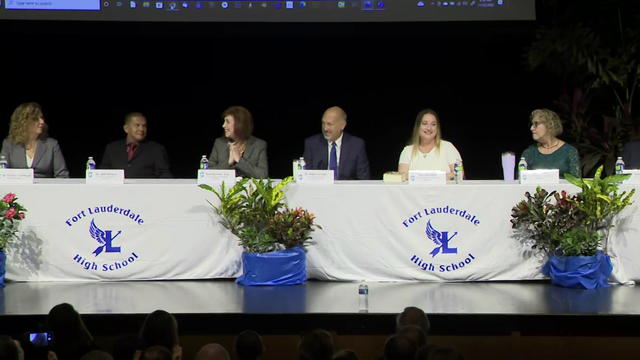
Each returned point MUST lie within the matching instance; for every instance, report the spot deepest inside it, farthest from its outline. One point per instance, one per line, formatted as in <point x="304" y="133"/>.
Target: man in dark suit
<point x="337" y="150"/>
<point x="140" y="158"/>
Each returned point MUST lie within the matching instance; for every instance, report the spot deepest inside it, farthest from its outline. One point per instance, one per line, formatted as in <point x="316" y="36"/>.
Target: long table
<point x="370" y="231"/>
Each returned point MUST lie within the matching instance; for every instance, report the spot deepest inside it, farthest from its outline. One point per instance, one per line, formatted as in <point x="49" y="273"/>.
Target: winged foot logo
<point x="108" y="240"/>
<point x="446" y="240"/>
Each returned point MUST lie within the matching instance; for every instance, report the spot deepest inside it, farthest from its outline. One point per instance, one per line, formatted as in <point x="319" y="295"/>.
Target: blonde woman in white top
<point x="427" y="150"/>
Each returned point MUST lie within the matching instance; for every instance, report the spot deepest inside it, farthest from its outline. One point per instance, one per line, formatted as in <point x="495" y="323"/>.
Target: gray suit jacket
<point x="47" y="162"/>
<point x="252" y="164"/>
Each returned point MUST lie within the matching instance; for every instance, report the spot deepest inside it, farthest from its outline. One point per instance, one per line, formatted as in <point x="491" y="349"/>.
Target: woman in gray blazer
<point x="28" y="145"/>
<point x="237" y="149"/>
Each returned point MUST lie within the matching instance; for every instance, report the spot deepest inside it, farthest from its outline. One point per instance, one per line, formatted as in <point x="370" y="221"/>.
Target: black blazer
<point x="353" y="163"/>
<point x="150" y="160"/>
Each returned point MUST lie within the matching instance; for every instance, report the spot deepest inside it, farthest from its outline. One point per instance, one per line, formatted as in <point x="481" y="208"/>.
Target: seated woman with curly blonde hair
<point x="28" y="145"/>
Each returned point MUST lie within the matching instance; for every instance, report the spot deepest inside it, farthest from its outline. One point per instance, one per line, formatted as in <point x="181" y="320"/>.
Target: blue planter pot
<point x="285" y="267"/>
<point x="3" y="263"/>
<point x="579" y="272"/>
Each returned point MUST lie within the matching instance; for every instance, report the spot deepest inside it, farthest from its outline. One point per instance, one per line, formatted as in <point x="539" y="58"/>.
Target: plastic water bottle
<point x="522" y="165"/>
<point x="91" y="164"/>
<point x="363" y="297"/>
<point x="298" y="165"/>
<point x="4" y="164"/>
<point x="619" y="165"/>
<point x="204" y="162"/>
<point x="458" y="171"/>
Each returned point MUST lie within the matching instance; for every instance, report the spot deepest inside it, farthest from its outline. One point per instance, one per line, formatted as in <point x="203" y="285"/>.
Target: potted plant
<point x="272" y="235"/>
<point x="572" y="230"/>
<point x="11" y="212"/>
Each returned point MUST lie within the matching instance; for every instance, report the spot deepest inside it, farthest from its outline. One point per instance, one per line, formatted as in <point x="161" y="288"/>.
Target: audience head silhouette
<point x="249" y="345"/>
<point x="413" y="316"/>
<point x="316" y="345"/>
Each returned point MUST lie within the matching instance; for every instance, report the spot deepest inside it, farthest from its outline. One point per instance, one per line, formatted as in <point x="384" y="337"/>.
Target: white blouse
<point x="436" y="159"/>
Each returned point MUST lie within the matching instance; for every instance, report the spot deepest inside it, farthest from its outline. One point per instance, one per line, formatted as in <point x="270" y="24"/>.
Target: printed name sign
<point x="16" y="176"/>
<point x="315" y="177"/>
<point x="427" y="177"/>
<point x="99" y="177"/>
<point x="215" y="177"/>
<point x="535" y="177"/>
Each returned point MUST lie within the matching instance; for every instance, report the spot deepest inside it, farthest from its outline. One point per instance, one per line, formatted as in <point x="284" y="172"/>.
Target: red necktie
<point x="131" y="149"/>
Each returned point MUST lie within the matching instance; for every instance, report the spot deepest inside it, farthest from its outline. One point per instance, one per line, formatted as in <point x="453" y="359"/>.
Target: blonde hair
<point x="415" y="136"/>
<point x="21" y="119"/>
<point x="550" y="119"/>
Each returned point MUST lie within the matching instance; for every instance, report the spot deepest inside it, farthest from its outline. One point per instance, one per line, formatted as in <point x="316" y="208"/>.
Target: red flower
<point x="10" y="197"/>
<point x="22" y="215"/>
<point x="10" y="213"/>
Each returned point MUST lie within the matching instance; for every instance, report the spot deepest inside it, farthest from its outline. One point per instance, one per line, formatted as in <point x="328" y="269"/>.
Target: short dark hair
<point x="70" y="331"/>
<point x="248" y="345"/>
<point x="159" y="328"/>
<point x="242" y="119"/>
<point x="131" y="115"/>
<point x="316" y="345"/>
<point x="413" y="316"/>
<point x="399" y="347"/>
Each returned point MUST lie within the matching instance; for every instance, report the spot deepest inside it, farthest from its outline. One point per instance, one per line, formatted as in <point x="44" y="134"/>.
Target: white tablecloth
<point x="371" y="231"/>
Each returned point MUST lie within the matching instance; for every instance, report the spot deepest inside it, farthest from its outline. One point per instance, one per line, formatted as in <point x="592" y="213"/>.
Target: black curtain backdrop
<point x="87" y="76"/>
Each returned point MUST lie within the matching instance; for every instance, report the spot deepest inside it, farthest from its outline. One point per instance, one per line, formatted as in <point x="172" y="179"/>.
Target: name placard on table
<point x="215" y="177"/>
<point x="427" y="177"/>
<point x="635" y="177"/>
<point x="541" y="176"/>
<point x="103" y="176"/>
<point x="314" y="177"/>
<point x="16" y="176"/>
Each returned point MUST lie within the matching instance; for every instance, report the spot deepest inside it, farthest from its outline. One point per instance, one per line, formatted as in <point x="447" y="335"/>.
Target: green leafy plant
<point x="545" y="218"/>
<point x="579" y="242"/>
<point x="600" y="200"/>
<point x="293" y="227"/>
<point x="11" y="213"/>
<point x="577" y="225"/>
<point x="256" y="212"/>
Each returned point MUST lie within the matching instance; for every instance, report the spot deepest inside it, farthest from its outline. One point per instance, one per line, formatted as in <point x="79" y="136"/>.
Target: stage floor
<point x="470" y="307"/>
<point x="316" y="297"/>
<point x="483" y="320"/>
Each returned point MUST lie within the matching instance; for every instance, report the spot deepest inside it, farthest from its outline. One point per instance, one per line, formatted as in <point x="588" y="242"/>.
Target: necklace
<point x="551" y="146"/>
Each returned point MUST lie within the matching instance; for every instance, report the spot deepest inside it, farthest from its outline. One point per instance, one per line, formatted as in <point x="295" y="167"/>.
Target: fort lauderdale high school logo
<point x="104" y="238"/>
<point x="109" y="241"/>
<point x="449" y="229"/>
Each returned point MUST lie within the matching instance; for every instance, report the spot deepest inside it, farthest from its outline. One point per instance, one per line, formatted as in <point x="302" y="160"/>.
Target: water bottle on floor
<point x="363" y="297"/>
